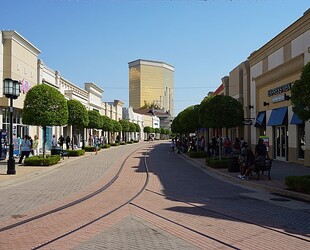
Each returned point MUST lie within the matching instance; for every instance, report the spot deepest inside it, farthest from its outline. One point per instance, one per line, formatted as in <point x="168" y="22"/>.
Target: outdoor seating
<point x="264" y="168"/>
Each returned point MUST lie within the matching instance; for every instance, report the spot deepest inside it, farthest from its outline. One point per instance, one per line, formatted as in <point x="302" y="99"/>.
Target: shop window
<point x="301" y="141"/>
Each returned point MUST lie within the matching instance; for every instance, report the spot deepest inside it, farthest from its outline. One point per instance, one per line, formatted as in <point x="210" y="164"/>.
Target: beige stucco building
<point x="262" y="84"/>
<point x="19" y="61"/>
<point x="151" y="82"/>
<point x="274" y="68"/>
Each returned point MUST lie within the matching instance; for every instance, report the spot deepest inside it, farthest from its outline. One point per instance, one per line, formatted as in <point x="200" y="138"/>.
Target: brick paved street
<point x="182" y="207"/>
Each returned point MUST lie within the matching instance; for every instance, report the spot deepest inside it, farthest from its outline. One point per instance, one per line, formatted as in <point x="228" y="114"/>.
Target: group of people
<point x="61" y="141"/>
<point x="251" y="162"/>
<point x="228" y="145"/>
<point x="185" y="144"/>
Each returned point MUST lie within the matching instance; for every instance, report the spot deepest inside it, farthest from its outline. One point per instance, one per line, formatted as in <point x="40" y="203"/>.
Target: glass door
<point x="281" y="143"/>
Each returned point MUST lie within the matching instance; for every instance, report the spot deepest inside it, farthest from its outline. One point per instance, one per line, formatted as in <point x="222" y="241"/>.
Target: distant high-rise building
<point x="151" y="82"/>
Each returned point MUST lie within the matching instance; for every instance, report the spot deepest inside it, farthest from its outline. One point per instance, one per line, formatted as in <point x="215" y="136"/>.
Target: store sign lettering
<point x="280" y="89"/>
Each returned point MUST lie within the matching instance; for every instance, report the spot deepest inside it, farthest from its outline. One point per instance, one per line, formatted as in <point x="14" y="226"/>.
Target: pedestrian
<point x="31" y="144"/>
<point x="35" y="145"/>
<point x="54" y="142"/>
<point x="202" y="143"/>
<point x="25" y="148"/>
<point x="61" y="140"/>
<point x="227" y="146"/>
<point x="172" y="146"/>
<point x="67" y="142"/>
<point x="96" y="143"/>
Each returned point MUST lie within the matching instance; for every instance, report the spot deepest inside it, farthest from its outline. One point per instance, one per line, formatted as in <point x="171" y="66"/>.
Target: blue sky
<point x="93" y="40"/>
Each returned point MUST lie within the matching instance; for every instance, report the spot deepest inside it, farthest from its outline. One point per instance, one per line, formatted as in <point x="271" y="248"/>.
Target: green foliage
<point x="300" y="96"/>
<point x="147" y="129"/>
<point x="95" y="120"/>
<point x="45" y="106"/>
<point x="220" y="111"/>
<point x="117" y="127"/>
<point x="138" y="129"/>
<point x="40" y="161"/>
<point x="150" y="105"/>
<point x="132" y="127"/>
<point x="125" y="125"/>
<point x="197" y="154"/>
<point x="91" y="149"/>
<point x="123" y="143"/>
<point x="187" y="121"/>
<point x="157" y="130"/>
<point x="75" y="152"/>
<point x="106" y="146"/>
<point x="217" y="163"/>
<point x="115" y="144"/>
<point x="298" y="183"/>
<point x="78" y="115"/>
<point x="107" y="124"/>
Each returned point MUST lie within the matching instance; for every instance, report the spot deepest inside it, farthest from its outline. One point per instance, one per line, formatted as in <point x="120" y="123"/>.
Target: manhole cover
<point x="279" y="199"/>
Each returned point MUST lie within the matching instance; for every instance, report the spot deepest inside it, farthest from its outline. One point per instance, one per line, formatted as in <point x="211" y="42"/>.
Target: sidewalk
<point x="276" y="185"/>
<point x="279" y="171"/>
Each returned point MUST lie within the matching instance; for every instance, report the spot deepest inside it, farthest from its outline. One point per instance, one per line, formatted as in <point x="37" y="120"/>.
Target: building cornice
<point x="11" y="34"/>
<point x="94" y="86"/>
<point x="296" y="29"/>
<point x="150" y="63"/>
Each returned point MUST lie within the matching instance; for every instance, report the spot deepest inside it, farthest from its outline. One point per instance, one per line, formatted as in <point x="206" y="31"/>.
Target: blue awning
<point x="296" y="119"/>
<point x="260" y="119"/>
<point x="277" y="117"/>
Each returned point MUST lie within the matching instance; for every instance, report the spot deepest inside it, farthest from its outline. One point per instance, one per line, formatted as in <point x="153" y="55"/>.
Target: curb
<point x="279" y="191"/>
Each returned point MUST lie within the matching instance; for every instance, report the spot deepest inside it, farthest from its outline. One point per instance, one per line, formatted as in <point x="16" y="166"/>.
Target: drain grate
<point x="279" y="199"/>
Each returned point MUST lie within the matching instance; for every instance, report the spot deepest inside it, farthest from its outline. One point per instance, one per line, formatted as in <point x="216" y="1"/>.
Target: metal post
<point x="11" y="160"/>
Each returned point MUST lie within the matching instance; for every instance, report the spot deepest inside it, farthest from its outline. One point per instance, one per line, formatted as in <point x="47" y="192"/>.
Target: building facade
<point x="19" y="61"/>
<point x="151" y="82"/>
<point x="263" y="83"/>
<point x="274" y="68"/>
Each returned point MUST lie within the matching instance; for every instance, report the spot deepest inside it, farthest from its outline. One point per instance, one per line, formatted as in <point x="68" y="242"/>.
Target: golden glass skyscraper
<point x="151" y="82"/>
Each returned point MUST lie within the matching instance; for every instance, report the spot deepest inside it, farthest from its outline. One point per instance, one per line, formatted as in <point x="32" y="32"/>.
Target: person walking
<point x="25" y="148"/>
<point x="35" y="145"/>
<point x="67" y="142"/>
<point x="172" y="146"/>
<point x="54" y="142"/>
<point x="61" y="140"/>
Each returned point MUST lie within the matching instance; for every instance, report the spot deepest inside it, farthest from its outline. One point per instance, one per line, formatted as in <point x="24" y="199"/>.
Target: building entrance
<point x="281" y="142"/>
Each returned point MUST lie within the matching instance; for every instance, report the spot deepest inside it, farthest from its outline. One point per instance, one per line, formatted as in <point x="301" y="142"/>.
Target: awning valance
<point x="277" y="117"/>
<point x="260" y="119"/>
<point x="296" y="119"/>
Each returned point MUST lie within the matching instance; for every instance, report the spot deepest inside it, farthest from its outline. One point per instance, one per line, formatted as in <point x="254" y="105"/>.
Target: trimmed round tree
<point x="45" y="106"/>
<point x="301" y="93"/>
<point x="220" y="111"/>
<point x="107" y="126"/>
<point x="77" y="116"/>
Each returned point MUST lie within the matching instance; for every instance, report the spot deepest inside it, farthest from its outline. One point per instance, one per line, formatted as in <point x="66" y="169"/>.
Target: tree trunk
<point x="44" y="141"/>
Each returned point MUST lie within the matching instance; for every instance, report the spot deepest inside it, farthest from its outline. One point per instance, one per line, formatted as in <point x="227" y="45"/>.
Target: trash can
<point x="56" y="151"/>
<point x="233" y="164"/>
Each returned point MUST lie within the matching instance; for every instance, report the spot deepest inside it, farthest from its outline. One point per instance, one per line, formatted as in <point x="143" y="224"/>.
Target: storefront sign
<point x="280" y="89"/>
<point x="247" y="122"/>
<point x="279" y="98"/>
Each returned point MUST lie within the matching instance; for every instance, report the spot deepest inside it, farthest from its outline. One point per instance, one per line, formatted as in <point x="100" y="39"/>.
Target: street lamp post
<point x="11" y="89"/>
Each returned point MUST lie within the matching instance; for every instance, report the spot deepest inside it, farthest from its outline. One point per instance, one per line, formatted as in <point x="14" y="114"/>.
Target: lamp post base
<point x="11" y="166"/>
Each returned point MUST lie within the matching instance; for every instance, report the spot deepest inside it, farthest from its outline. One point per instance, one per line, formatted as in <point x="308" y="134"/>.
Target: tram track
<point x="139" y="201"/>
<point x="53" y="213"/>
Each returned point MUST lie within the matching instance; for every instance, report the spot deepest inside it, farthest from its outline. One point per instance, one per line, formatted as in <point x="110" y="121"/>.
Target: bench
<point x="63" y="154"/>
<point x="59" y="151"/>
<point x="265" y="167"/>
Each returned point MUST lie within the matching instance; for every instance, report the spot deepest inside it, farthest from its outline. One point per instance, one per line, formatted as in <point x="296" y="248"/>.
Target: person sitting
<point x="261" y="155"/>
<point x="245" y="159"/>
